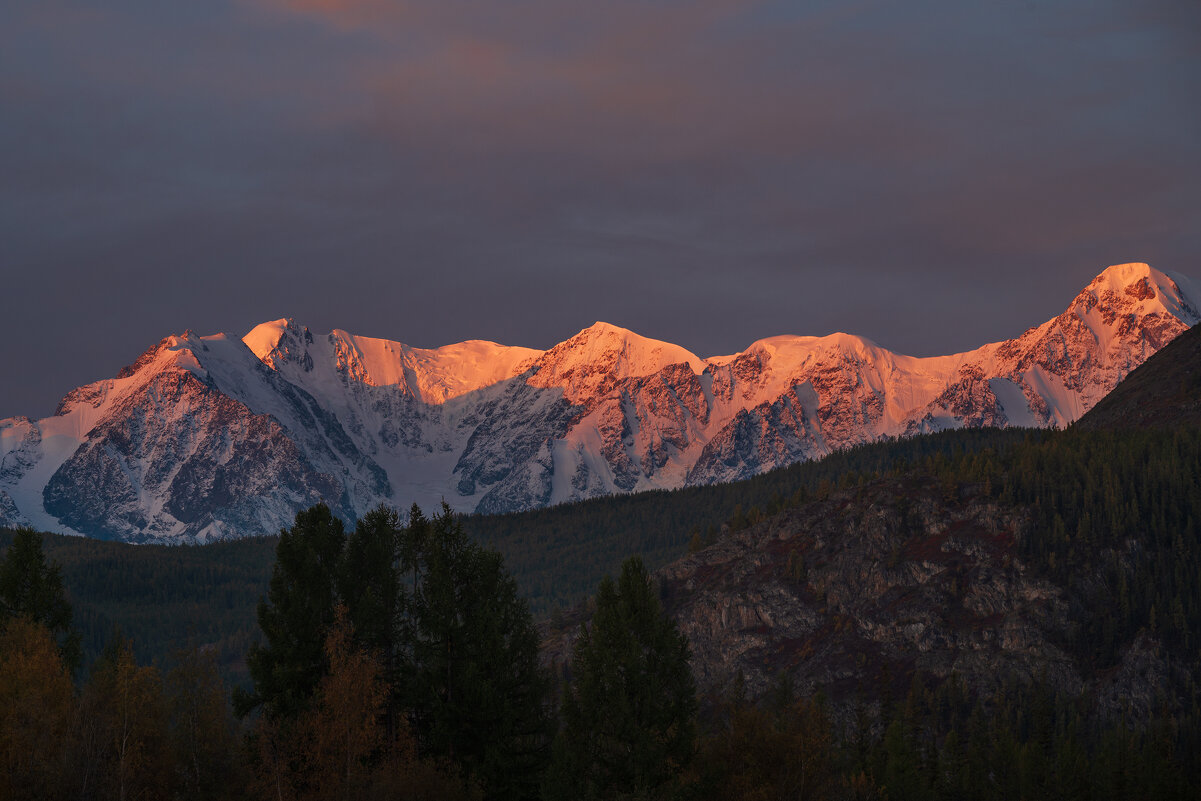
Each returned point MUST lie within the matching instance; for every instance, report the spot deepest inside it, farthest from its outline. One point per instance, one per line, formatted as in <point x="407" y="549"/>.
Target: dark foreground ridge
<point x="1163" y="392"/>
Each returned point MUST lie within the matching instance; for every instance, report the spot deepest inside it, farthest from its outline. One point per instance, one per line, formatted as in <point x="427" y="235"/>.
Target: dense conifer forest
<point x="559" y="554"/>
<point x="353" y="694"/>
<point x="164" y="597"/>
<point x="397" y="654"/>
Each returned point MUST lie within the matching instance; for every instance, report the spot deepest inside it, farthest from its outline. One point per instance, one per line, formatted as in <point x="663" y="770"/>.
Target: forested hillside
<point x="986" y="614"/>
<point x="165" y="597"/>
<point x="559" y="554"/>
<point x="1056" y="556"/>
<point x="1078" y="491"/>
<point x="982" y="622"/>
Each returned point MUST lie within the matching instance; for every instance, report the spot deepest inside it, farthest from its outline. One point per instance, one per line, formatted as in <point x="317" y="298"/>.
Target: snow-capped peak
<point x="264" y="338"/>
<point x="433" y="375"/>
<point x="792" y="350"/>
<point x="635" y="354"/>
<point x="1150" y="289"/>
<point x="1120" y="275"/>
<point x="215" y="436"/>
<point x="280" y="341"/>
<point x="604" y="353"/>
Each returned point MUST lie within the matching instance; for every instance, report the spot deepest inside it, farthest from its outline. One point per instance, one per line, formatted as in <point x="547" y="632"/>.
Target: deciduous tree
<point x="783" y="749"/>
<point x="203" y="737"/>
<point x="335" y="750"/>
<point x="37" y="709"/>
<point x="124" y="717"/>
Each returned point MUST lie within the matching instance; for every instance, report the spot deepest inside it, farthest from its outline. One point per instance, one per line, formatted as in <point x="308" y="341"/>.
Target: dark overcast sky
<point x="932" y="175"/>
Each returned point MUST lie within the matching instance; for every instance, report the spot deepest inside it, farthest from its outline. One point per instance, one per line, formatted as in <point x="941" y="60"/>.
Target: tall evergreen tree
<point x="371" y="585"/>
<point x="478" y="689"/>
<point x="297" y="615"/>
<point x="629" y="713"/>
<point x="32" y="589"/>
<point x="456" y="645"/>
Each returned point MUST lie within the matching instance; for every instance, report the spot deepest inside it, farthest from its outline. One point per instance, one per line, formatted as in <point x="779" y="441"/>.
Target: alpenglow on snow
<point x="205" y="437"/>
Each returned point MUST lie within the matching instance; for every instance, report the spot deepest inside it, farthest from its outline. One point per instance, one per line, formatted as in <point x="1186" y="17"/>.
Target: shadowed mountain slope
<point x="1163" y="392"/>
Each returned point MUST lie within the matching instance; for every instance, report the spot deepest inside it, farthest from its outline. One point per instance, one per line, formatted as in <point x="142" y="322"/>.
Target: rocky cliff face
<point x="851" y="595"/>
<point x="894" y="574"/>
<point x="208" y="437"/>
<point x="191" y="450"/>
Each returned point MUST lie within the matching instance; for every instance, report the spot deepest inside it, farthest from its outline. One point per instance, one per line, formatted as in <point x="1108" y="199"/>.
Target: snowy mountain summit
<point x="209" y="437"/>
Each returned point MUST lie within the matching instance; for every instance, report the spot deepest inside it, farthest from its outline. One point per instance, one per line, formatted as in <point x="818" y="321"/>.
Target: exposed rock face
<point x="885" y="575"/>
<point x="777" y="433"/>
<point x="194" y="450"/>
<point x="851" y="595"/>
<point x="1119" y="320"/>
<point x="10" y="515"/>
<point x="971" y="400"/>
<point x="207" y="437"/>
<point x="508" y="450"/>
<point x="24" y="440"/>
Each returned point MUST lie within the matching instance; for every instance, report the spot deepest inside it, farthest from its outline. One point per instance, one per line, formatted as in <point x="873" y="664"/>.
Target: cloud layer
<point x="932" y="175"/>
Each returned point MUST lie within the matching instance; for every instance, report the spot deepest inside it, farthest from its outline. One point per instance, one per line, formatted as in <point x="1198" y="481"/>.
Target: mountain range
<point x="209" y="437"/>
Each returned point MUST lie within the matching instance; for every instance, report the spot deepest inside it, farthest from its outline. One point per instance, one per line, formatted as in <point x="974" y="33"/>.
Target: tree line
<point x="164" y="597"/>
<point x="124" y="730"/>
<point x="399" y="658"/>
<point x="415" y="632"/>
<point x="396" y="661"/>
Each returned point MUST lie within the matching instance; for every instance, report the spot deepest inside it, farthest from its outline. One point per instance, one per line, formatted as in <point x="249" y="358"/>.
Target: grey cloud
<point x="932" y="175"/>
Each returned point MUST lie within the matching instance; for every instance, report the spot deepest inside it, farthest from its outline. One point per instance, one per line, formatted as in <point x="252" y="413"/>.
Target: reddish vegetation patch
<point x="1003" y="540"/>
<point x="709" y="575"/>
<point x="982" y="623"/>
<point x="929" y="548"/>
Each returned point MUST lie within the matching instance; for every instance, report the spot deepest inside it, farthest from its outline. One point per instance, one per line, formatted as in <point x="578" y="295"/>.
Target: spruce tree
<point x="371" y="586"/>
<point x="455" y="643"/>
<point x="296" y="616"/>
<point x="478" y="689"/>
<point x="32" y="589"/>
<point x="629" y="713"/>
